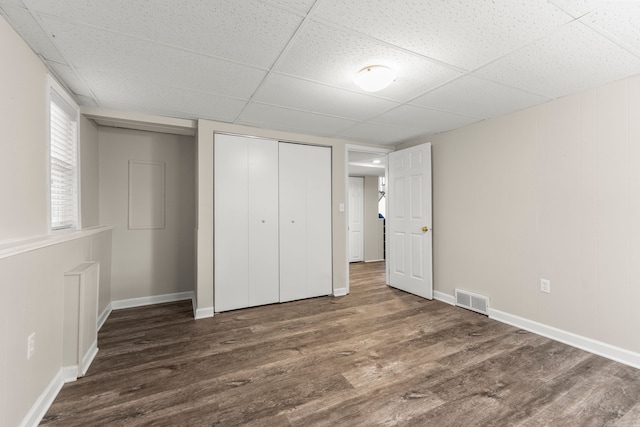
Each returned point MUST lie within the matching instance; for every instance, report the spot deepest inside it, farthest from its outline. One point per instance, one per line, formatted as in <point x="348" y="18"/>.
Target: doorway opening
<point x="366" y="169"/>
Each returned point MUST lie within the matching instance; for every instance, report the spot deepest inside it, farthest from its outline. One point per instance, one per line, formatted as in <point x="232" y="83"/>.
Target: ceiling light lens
<point x="376" y="161"/>
<point x="374" y="78"/>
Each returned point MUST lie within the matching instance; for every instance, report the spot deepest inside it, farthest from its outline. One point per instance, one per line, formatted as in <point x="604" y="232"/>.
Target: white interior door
<point x="356" y="219"/>
<point x="409" y="221"/>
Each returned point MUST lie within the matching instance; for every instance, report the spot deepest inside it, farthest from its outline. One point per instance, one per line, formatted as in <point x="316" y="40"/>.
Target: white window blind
<point x="63" y="164"/>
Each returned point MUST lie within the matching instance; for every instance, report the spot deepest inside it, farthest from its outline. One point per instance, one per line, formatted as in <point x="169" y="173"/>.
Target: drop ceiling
<point x="366" y="163"/>
<point x="288" y="64"/>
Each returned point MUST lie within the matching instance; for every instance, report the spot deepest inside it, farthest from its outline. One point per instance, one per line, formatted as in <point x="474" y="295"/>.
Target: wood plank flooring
<point x="377" y="357"/>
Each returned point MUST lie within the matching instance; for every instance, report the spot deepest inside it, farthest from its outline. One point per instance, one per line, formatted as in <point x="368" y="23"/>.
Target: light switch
<point x="341" y="207"/>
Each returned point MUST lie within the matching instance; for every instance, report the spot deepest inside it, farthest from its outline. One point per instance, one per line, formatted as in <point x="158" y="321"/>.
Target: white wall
<point x="23" y="120"/>
<point x="155" y="261"/>
<point x="31" y="282"/>
<point x="549" y="192"/>
<point x="89" y="202"/>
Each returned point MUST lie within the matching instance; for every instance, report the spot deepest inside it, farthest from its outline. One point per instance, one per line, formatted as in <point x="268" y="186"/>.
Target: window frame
<point x="58" y="95"/>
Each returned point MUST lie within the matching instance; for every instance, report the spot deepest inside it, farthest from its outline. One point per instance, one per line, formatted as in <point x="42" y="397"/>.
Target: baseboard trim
<point x="374" y="260"/>
<point x="340" y="292"/>
<point x="69" y="373"/>
<point x="203" y="313"/>
<point x="194" y="304"/>
<point x="593" y="346"/>
<point x="104" y="315"/>
<point x="88" y="358"/>
<point x="44" y="401"/>
<point x="441" y="296"/>
<point x="155" y="299"/>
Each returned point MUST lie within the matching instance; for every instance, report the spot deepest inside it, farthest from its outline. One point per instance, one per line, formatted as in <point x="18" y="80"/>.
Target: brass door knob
<point x="425" y="229"/>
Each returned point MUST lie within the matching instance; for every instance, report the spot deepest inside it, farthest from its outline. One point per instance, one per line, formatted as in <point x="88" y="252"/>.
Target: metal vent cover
<point x="471" y="301"/>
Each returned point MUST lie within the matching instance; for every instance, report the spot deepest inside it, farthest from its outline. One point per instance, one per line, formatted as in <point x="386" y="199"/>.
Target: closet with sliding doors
<point x="272" y="221"/>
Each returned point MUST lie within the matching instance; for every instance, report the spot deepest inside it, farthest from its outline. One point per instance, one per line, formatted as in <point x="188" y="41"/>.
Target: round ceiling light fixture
<point x="373" y="78"/>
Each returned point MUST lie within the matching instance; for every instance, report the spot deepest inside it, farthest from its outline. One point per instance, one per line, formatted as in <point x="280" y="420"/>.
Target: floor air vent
<point x="472" y="301"/>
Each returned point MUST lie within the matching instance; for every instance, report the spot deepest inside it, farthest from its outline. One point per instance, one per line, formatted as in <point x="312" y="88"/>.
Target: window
<point x="63" y="160"/>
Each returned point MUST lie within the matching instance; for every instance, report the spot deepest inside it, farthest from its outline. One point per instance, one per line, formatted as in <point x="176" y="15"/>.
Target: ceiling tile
<point x="424" y="119"/>
<point x="87" y="101"/>
<point x="620" y="20"/>
<point x="247" y="31"/>
<point x="293" y="120"/>
<point x="70" y="79"/>
<point x="457" y="61"/>
<point x="15" y="3"/>
<point x="477" y="97"/>
<point x="572" y="59"/>
<point x="463" y="33"/>
<point x="329" y="55"/>
<point x="317" y="98"/>
<point x="101" y="56"/>
<point x="169" y="101"/>
<point x="301" y="6"/>
<point x="367" y="158"/>
<point x="26" y="25"/>
<point x="578" y="8"/>
<point x="381" y="134"/>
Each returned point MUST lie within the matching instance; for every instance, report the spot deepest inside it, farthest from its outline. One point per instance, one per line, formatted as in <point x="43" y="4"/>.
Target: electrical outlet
<point x="545" y="286"/>
<point x="31" y="345"/>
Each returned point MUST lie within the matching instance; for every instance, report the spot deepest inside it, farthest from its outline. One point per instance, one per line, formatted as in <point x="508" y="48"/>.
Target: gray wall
<point x="373" y="237"/>
<point x="31" y="282"/>
<point x="149" y="262"/>
<point x="23" y="163"/>
<point x="89" y="202"/>
<point x="549" y="192"/>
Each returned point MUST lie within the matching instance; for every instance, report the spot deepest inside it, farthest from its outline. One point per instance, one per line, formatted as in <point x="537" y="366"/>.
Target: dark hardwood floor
<point x="375" y="357"/>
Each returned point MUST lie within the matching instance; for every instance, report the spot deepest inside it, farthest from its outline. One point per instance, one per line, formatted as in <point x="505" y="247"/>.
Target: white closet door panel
<point x="293" y="224"/>
<point x="305" y="221"/>
<point x="318" y="199"/>
<point x="264" y="286"/>
<point x="231" y="251"/>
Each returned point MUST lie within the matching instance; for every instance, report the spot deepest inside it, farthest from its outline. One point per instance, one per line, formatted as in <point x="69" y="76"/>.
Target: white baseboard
<point x="44" y="401"/>
<point x="69" y="373"/>
<point x="88" y="358"/>
<point x="340" y="292"/>
<point x="373" y="260"/>
<point x="104" y="315"/>
<point x="203" y="313"/>
<point x="155" y="299"/>
<point x="596" y="347"/>
<point x="441" y="296"/>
